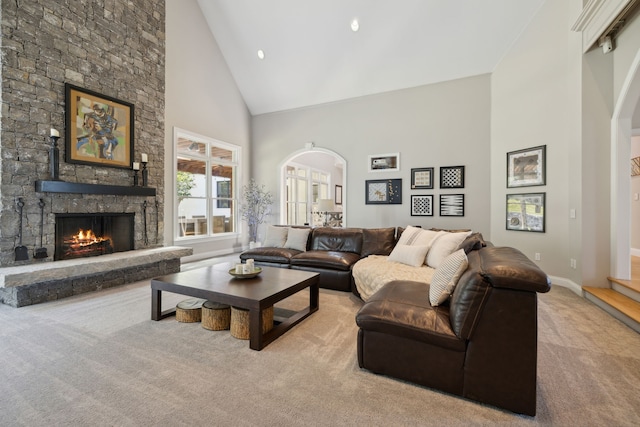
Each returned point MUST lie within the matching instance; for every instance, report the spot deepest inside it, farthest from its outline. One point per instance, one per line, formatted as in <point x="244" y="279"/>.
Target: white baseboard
<point x="635" y="252"/>
<point x="566" y="283"/>
<point x="204" y="255"/>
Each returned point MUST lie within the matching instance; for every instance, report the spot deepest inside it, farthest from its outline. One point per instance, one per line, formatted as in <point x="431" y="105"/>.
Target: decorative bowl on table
<point x="251" y="275"/>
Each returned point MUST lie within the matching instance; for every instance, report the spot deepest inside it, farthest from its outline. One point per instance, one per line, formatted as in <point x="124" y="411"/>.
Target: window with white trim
<point x="205" y="186"/>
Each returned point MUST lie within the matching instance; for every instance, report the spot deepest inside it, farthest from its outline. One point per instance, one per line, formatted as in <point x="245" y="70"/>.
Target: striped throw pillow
<point x="446" y="277"/>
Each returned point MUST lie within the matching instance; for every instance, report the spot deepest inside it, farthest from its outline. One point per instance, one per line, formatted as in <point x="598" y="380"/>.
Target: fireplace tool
<point x="22" y="253"/>
<point x="144" y="213"/>
<point x="41" y="252"/>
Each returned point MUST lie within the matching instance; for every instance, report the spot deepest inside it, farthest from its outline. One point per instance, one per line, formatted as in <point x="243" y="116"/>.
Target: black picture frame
<point x="452" y="177"/>
<point x="452" y="205"/>
<point x="99" y="129"/>
<point x="421" y="178"/>
<point x="527" y="167"/>
<point x="338" y="195"/>
<point x="422" y="205"/>
<point x="525" y="212"/>
<point x="383" y="192"/>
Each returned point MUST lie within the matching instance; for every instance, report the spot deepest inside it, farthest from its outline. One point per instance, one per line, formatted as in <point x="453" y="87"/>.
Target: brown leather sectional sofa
<point x="332" y="252"/>
<point x="481" y="344"/>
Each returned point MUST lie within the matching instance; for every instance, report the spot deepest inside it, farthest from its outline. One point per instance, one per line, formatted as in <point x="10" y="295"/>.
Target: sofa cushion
<point x="272" y="255"/>
<point x="276" y="236"/>
<point x="446" y="277"/>
<point x="445" y="244"/>
<point x="419" y="237"/>
<point x="375" y="271"/>
<point x="297" y="238"/>
<point x="377" y="241"/>
<point x="337" y="239"/>
<point x="402" y="308"/>
<point x="326" y="259"/>
<point x="473" y="242"/>
<point x="409" y="254"/>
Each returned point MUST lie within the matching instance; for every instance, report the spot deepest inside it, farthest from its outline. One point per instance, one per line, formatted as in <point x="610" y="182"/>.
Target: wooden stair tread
<point x="633" y="284"/>
<point x="615" y="299"/>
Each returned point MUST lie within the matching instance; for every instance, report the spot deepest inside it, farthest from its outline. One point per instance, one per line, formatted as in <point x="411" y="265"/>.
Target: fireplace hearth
<point x="88" y="235"/>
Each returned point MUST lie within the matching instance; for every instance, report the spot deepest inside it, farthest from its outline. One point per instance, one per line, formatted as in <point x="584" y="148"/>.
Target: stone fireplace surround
<point x="36" y="283"/>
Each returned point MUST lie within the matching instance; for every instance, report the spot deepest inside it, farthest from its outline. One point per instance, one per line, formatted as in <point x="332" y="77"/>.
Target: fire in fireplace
<point x="85" y="235"/>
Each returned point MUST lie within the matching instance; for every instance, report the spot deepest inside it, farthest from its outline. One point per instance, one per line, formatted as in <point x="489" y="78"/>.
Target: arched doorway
<point x="621" y="129"/>
<point x="309" y="177"/>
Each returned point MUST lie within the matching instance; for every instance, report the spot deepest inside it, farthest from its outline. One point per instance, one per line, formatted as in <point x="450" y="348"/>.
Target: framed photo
<point x="422" y="205"/>
<point x="99" y="129"/>
<point x="452" y="177"/>
<point x="338" y="195"/>
<point x="526" y="167"/>
<point x="525" y="212"/>
<point x="421" y="178"/>
<point x="635" y="166"/>
<point x="452" y="205"/>
<point x="383" y="192"/>
<point x="384" y="162"/>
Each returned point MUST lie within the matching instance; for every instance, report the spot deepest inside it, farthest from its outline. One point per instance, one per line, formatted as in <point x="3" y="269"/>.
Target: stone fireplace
<point x="86" y="235"/>
<point x="117" y="51"/>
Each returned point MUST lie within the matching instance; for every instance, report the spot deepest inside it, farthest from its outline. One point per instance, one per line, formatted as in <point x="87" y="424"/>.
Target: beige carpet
<point x="98" y="360"/>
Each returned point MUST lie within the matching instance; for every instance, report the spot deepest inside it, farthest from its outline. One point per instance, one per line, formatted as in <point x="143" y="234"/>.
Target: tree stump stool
<point x="240" y="322"/>
<point x="216" y="316"/>
<point x="189" y="310"/>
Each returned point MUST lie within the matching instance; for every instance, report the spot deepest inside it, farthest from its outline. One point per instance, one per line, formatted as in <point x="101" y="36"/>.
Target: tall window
<point x="305" y="186"/>
<point x="205" y="182"/>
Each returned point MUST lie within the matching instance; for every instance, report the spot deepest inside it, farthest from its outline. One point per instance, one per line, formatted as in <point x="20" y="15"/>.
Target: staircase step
<point x="626" y="306"/>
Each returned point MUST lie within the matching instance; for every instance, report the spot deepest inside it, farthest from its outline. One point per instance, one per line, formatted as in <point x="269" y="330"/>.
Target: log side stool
<point x="189" y="310"/>
<point x="216" y="316"/>
<point x="240" y="322"/>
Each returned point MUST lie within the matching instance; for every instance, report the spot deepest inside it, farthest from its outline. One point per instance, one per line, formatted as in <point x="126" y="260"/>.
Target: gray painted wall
<point x="445" y="124"/>
<point x="201" y="97"/>
<point x="535" y="101"/>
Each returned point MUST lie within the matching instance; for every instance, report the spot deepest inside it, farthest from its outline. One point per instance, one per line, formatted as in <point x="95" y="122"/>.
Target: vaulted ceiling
<point x="312" y="55"/>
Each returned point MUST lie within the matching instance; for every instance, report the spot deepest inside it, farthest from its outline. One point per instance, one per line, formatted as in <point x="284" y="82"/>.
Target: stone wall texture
<point x="112" y="47"/>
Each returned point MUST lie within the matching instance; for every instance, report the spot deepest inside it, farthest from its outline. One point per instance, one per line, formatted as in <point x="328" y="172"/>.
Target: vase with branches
<point x="256" y="207"/>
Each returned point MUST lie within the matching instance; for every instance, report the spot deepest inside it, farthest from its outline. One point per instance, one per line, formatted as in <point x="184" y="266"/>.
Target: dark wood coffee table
<point x="271" y="286"/>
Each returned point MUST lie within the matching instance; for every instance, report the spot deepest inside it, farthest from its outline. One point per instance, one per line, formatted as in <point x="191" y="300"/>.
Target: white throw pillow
<point x="446" y="277"/>
<point x="445" y="245"/>
<point x="409" y="254"/>
<point x="276" y="237"/>
<point x="297" y="239"/>
<point x="418" y="237"/>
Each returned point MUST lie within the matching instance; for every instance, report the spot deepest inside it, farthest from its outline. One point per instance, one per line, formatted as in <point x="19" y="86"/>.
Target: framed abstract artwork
<point x="383" y="192"/>
<point x="384" y="162"/>
<point x="452" y="205"/>
<point x="452" y="177"/>
<point x="421" y="178"/>
<point x="525" y="212"/>
<point x="99" y="129"/>
<point x="422" y="205"/>
<point x="526" y="167"/>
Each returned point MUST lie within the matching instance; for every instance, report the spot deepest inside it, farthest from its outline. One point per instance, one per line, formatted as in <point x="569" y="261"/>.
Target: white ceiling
<point x="313" y="57"/>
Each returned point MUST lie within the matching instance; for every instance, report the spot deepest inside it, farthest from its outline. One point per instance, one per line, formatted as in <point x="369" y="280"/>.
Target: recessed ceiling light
<point x="260" y="53"/>
<point x="355" y="25"/>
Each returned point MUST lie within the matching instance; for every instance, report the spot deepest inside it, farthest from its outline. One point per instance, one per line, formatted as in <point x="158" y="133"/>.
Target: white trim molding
<point x="596" y="17"/>
<point x="566" y="283"/>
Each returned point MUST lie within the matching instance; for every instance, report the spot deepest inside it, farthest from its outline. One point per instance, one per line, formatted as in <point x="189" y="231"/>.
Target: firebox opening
<point x="86" y="235"/>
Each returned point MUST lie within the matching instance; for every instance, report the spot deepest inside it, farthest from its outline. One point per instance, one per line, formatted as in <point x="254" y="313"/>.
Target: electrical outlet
<point x="537" y="256"/>
<point x="573" y="263"/>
